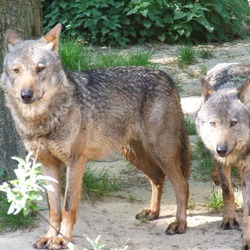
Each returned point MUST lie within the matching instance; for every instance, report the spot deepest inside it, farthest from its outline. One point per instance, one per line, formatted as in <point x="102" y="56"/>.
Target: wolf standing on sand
<point x="73" y="117"/>
<point x="223" y="124"/>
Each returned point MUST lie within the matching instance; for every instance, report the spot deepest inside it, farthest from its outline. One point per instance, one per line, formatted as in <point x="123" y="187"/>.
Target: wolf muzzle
<point x="222" y="150"/>
<point x="27" y="95"/>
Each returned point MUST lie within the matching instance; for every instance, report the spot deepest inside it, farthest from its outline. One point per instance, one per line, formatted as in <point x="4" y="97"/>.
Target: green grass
<point x="76" y="56"/>
<point x="186" y="55"/>
<point x="190" y="126"/>
<point x="11" y="222"/>
<point x="215" y="200"/>
<point x="191" y="205"/>
<point x="99" y="184"/>
<point x="203" y="162"/>
<point x="205" y="53"/>
<point x="202" y="69"/>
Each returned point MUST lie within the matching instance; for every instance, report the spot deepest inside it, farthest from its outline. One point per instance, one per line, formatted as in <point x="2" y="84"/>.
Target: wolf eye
<point x="16" y="70"/>
<point x="40" y="68"/>
<point x="212" y="123"/>
<point x="233" y="123"/>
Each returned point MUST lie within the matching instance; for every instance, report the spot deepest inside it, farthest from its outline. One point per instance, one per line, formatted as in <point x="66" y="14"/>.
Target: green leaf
<point x="63" y="4"/>
<point x="147" y="24"/>
<point x="179" y="14"/>
<point x="132" y="11"/>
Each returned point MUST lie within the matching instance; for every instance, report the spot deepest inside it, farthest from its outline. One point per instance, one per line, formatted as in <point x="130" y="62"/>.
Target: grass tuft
<point x="215" y="200"/>
<point x="190" y="126"/>
<point x="203" y="162"/>
<point x="76" y="56"/>
<point x="186" y="55"/>
<point x="99" y="184"/>
<point x="205" y="53"/>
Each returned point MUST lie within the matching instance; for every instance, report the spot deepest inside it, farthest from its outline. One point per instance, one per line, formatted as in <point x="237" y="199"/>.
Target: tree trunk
<point x="24" y="16"/>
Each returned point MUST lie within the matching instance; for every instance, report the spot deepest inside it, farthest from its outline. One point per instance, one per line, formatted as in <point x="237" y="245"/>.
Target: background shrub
<point x="119" y="22"/>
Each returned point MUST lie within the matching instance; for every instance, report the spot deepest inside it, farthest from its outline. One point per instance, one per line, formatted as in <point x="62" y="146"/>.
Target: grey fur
<point x="223" y="125"/>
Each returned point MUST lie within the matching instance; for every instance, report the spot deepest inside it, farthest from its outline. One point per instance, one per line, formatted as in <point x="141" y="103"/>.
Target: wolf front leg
<point x="229" y="220"/>
<point x="75" y="172"/>
<point x="245" y="177"/>
<point x="52" y="169"/>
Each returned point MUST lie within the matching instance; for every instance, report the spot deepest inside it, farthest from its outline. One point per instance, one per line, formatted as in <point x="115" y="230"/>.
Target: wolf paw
<point x="147" y="214"/>
<point x="176" y="228"/>
<point x="58" y="243"/>
<point x="54" y="243"/>
<point x="42" y="243"/>
<point x="229" y="224"/>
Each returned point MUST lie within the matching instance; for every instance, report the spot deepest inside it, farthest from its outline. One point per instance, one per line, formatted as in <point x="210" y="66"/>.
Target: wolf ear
<point x="244" y="91"/>
<point x="207" y="89"/>
<point x="52" y="38"/>
<point x="11" y="39"/>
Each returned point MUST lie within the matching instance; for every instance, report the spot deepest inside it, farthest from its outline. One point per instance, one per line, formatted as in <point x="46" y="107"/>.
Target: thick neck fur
<point x="42" y="118"/>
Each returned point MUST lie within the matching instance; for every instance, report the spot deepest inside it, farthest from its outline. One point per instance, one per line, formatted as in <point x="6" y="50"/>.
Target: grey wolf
<point x="223" y="125"/>
<point x="74" y="117"/>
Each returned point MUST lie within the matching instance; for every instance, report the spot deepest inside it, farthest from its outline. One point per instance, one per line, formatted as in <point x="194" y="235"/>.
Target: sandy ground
<point x="113" y="216"/>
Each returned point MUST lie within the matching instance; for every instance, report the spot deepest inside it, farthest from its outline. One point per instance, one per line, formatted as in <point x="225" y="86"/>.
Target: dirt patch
<point x="113" y="216"/>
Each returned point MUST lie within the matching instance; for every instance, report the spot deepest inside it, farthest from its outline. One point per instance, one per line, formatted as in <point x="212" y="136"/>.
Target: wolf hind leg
<point x="171" y="158"/>
<point x="181" y="188"/>
<point x="138" y="156"/>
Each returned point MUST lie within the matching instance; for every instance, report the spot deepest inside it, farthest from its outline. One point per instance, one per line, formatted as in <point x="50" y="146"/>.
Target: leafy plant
<point x="11" y="222"/>
<point x="96" y="245"/>
<point x="25" y="190"/>
<point x="122" y="22"/>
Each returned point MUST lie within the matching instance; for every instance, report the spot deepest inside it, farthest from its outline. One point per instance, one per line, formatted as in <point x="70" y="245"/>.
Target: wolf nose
<point x="27" y="95"/>
<point x="222" y="150"/>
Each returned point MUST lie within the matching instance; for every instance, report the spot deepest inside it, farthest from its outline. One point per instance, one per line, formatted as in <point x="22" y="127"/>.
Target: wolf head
<point x="223" y="121"/>
<point x="31" y="65"/>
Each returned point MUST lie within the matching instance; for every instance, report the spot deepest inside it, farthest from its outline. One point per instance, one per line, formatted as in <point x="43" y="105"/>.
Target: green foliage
<point x="119" y="22"/>
<point x="96" y="245"/>
<point x="75" y="56"/>
<point x="21" y="195"/>
<point x="11" y="222"/>
<point x="25" y="190"/>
